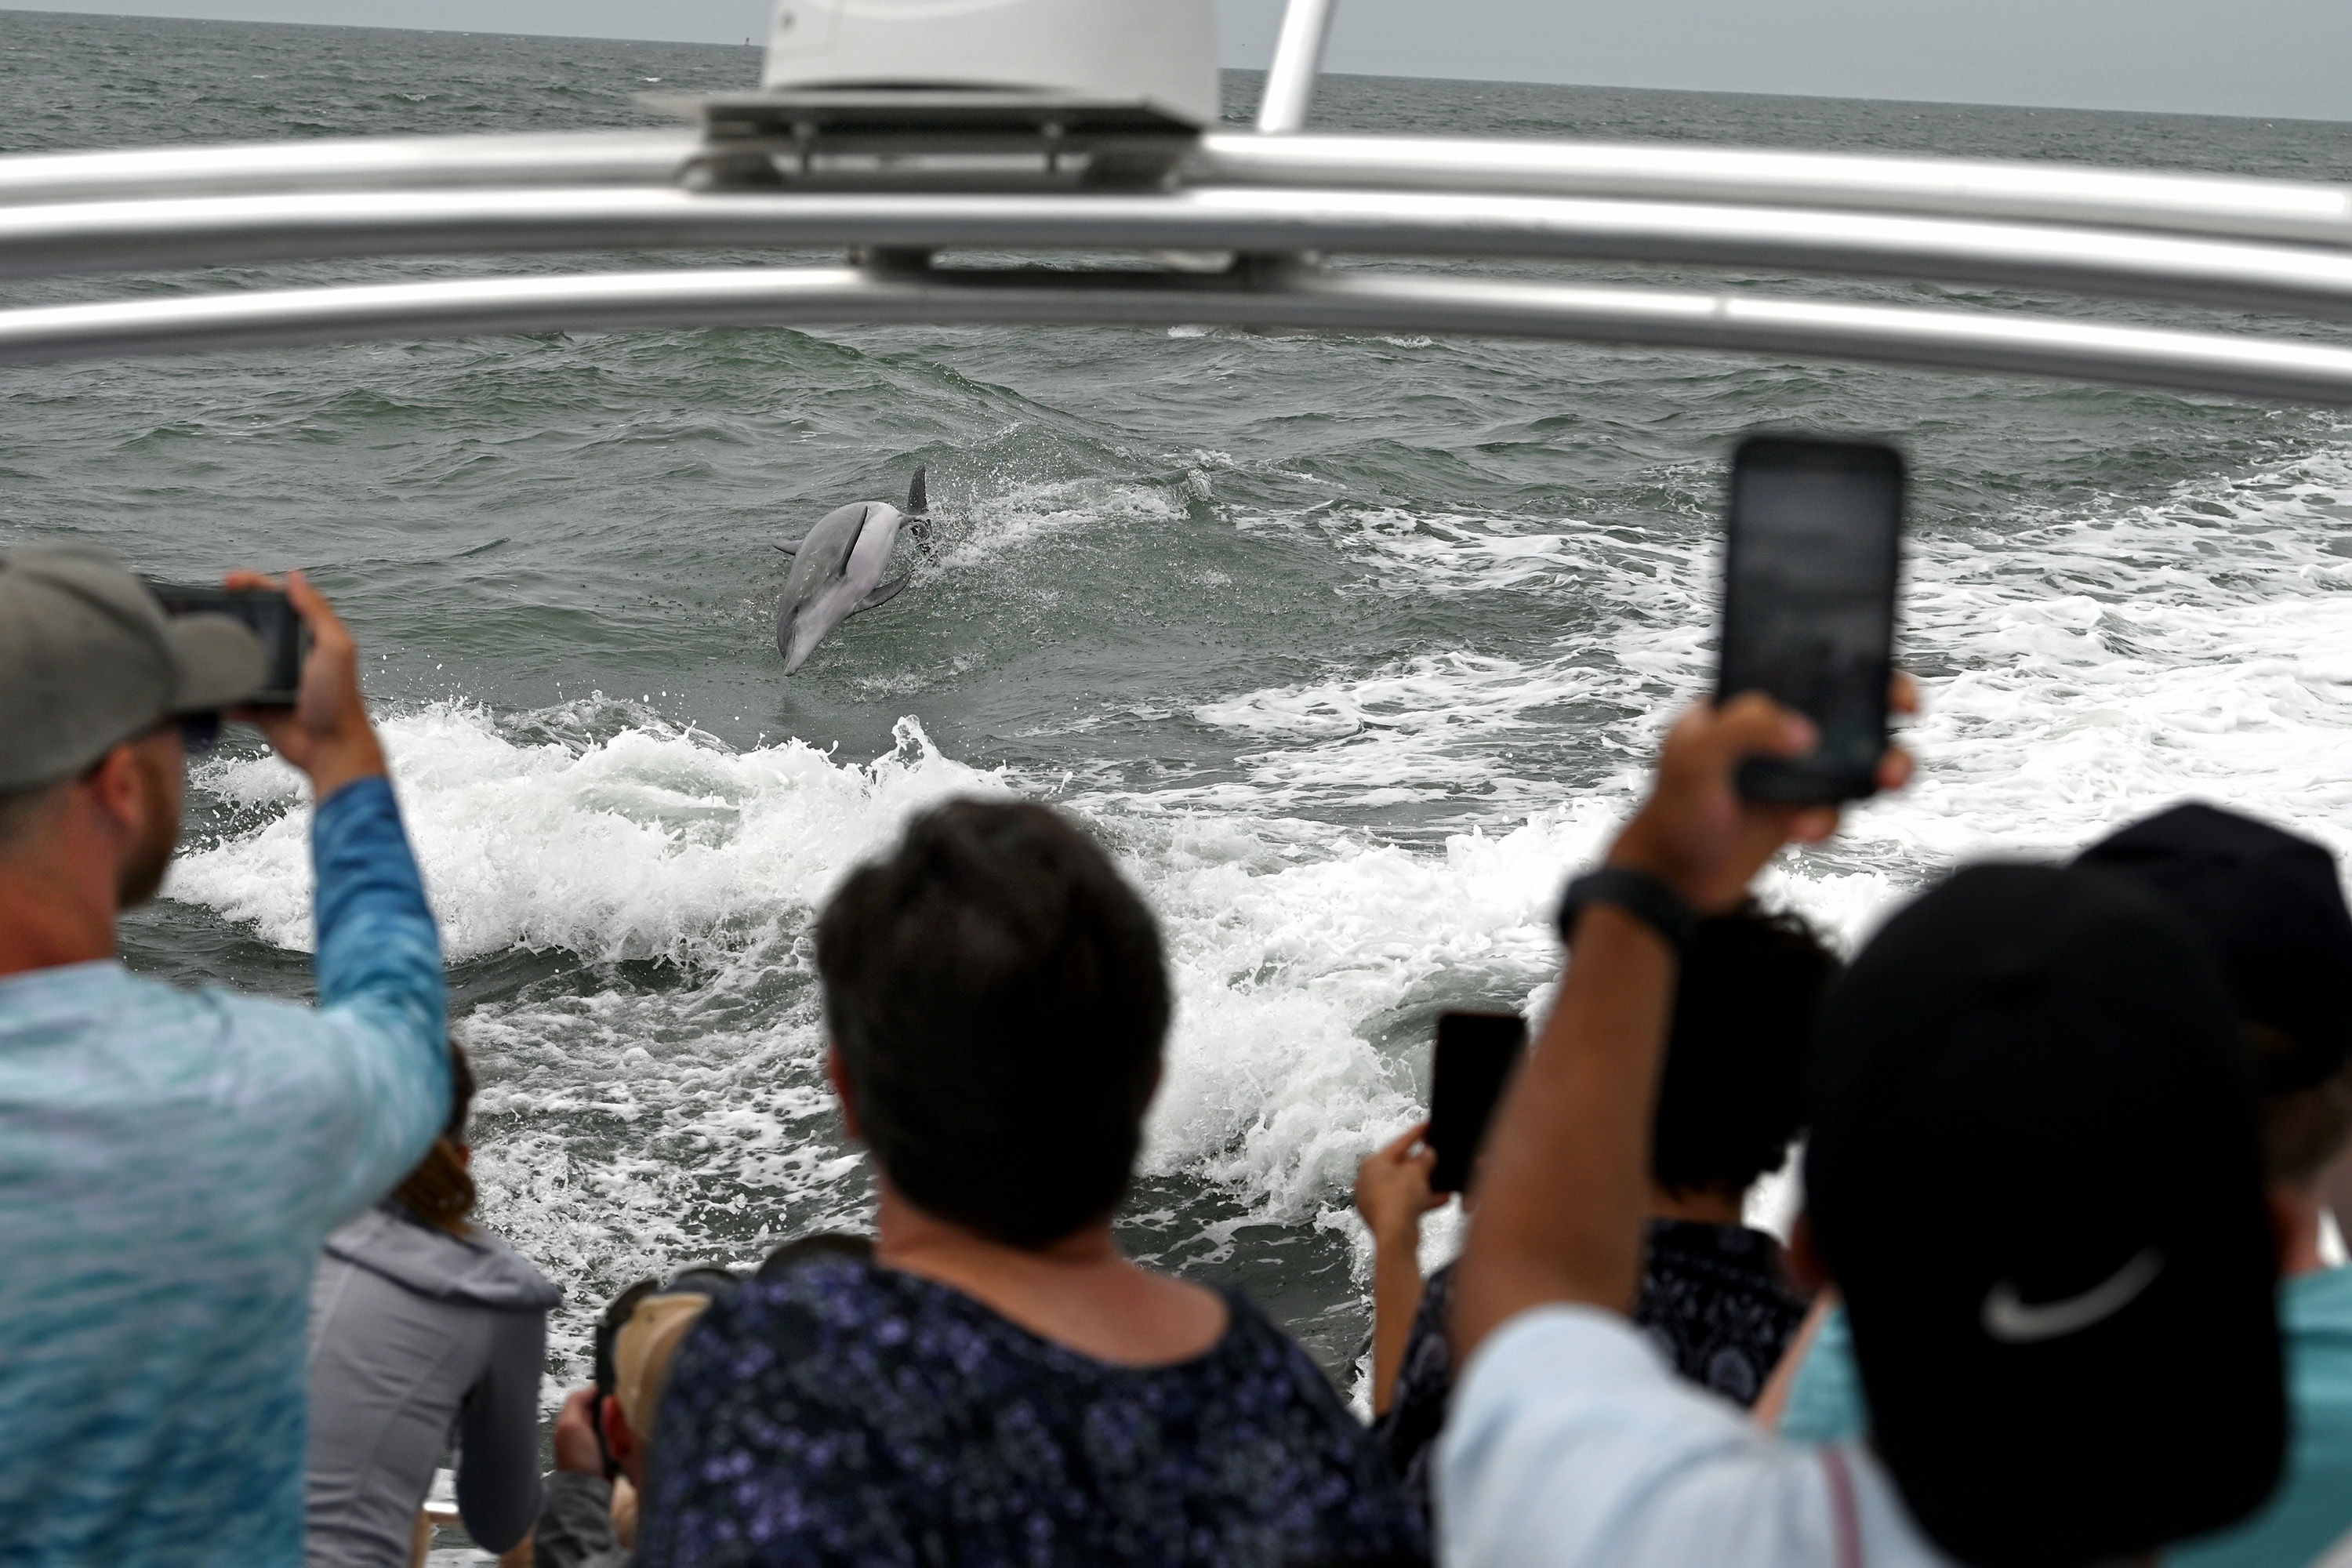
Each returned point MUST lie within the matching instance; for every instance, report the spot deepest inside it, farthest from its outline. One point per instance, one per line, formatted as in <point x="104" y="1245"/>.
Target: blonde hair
<point x="643" y="1353"/>
<point x="440" y="1190"/>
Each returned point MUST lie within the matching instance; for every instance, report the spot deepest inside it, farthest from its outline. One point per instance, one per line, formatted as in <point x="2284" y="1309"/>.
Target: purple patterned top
<point x="847" y="1414"/>
<point x="1715" y="1301"/>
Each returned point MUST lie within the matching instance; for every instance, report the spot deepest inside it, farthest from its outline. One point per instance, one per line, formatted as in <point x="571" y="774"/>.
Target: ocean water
<point x="1350" y="649"/>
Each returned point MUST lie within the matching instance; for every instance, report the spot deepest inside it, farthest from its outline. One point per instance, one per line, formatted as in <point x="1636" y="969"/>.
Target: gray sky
<point x="2285" y="58"/>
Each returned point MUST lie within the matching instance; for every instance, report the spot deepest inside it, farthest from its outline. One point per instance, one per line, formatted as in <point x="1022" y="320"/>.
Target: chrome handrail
<point x="248" y="230"/>
<point x="1297" y="61"/>
<point x="2218" y="205"/>
<point x="1274" y="298"/>
<point x="654" y="156"/>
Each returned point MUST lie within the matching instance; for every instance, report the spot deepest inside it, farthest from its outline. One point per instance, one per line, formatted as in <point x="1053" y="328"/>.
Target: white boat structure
<point x="1140" y="211"/>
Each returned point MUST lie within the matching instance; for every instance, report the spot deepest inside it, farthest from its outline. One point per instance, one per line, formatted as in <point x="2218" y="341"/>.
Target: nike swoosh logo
<point x="2017" y="1323"/>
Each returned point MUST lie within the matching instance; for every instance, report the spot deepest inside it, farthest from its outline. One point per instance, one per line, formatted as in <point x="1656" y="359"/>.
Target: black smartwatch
<point x="1639" y="894"/>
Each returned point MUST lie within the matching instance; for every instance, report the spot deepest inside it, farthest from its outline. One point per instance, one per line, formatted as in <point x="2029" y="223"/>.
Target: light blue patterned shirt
<point x="169" y="1162"/>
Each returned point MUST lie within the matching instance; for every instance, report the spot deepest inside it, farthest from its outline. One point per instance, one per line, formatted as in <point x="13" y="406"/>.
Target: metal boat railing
<point x="1250" y="213"/>
<point x="2218" y="205"/>
<point x="1272" y="299"/>
<point x="159" y="233"/>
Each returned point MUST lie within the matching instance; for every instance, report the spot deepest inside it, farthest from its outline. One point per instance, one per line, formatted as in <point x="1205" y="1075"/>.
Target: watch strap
<point x="1639" y="894"/>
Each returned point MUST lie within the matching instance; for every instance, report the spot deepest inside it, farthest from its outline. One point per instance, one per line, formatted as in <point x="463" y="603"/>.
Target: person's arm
<point x="498" y="1473"/>
<point x="1392" y="1195"/>
<point x="1565" y="1179"/>
<point x="575" y="1524"/>
<point x="1566" y="1176"/>
<point x="379" y="950"/>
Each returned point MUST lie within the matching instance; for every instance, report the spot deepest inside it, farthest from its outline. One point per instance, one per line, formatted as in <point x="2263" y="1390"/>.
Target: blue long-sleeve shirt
<point x="169" y="1163"/>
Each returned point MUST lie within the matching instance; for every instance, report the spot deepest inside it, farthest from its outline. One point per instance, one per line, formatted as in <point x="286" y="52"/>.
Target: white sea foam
<point x="1291" y="951"/>
<point x="2101" y="665"/>
<point x="650" y="842"/>
<point x="1010" y="520"/>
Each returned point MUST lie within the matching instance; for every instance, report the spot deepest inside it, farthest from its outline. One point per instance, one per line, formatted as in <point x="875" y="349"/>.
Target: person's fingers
<point x="1812" y="825"/>
<point x="1895" y="768"/>
<point x="1902" y="694"/>
<point x="576" y="1448"/>
<point x="1752" y="724"/>
<point x="327" y="629"/>
<point x="1399" y="1147"/>
<point x="242" y="581"/>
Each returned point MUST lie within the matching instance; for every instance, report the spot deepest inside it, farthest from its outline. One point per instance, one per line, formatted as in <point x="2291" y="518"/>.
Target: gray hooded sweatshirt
<point x="420" y="1341"/>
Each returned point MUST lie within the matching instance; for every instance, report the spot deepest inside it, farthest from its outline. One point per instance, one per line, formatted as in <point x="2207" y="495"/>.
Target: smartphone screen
<point x="1477" y="1054"/>
<point x="285" y="639"/>
<point x="1810" y="568"/>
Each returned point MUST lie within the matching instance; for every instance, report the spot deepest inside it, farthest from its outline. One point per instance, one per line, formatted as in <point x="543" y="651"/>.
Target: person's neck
<point x="52" y="913"/>
<point x="2295" y="1213"/>
<point x="1078" y="1290"/>
<point x="1699" y="1205"/>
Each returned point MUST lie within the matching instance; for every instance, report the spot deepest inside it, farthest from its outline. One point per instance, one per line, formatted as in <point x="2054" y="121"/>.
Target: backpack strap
<point x="1845" y="1519"/>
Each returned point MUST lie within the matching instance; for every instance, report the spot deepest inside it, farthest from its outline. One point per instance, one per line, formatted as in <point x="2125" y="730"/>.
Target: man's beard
<point x="144" y="868"/>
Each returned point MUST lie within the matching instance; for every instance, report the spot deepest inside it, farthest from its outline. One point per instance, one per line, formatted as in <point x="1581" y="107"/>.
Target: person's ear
<point x="2295" y="1228"/>
<point x="1806" y="1265"/>
<point x="836" y="1073"/>
<point x="118" y="786"/>
<point x="134" y="783"/>
<point x="620" y="1441"/>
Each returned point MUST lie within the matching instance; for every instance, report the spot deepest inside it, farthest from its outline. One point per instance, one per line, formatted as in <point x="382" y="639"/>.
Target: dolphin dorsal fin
<point x="791" y="546"/>
<point x="918" y="503"/>
<point x="881" y="596"/>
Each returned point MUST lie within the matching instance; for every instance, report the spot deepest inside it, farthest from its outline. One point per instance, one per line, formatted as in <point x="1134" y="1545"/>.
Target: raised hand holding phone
<point x="1476" y="1055"/>
<point x="325" y="731"/>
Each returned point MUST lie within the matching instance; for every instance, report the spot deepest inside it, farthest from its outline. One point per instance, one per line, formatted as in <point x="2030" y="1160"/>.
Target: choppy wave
<point x="650" y="841"/>
<point x="2082" y="670"/>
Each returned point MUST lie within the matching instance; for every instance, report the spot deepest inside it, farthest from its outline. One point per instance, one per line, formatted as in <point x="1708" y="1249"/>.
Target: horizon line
<point x="1254" y="70"/>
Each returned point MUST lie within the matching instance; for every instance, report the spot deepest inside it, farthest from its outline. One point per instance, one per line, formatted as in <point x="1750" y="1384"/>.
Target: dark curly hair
<point x="997" y="994"/>
<point x="1732" y="1097"/>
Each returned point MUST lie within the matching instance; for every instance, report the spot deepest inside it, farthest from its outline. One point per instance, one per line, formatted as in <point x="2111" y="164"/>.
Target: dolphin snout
<point x="797" y="643"/>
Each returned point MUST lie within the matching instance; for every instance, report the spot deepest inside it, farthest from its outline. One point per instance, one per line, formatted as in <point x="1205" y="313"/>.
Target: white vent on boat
<point x="1164" y="51"/>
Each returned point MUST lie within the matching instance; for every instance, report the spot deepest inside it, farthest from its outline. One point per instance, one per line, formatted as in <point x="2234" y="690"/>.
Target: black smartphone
<point x="285" y="635"/>
<point x="1477" y="1054"/>
<point x="1813" y="546"/>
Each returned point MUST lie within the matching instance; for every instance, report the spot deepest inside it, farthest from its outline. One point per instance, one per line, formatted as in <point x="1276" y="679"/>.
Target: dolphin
<point x="837" y="570"/>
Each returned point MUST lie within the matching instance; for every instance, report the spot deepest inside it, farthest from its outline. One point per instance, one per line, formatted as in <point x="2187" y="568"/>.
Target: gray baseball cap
<point x="89" y="659"/>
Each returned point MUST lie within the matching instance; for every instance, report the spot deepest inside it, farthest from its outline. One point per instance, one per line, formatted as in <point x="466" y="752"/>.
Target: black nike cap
<point x="2034" y="1174"/>
<point x="2271" y="906"/>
